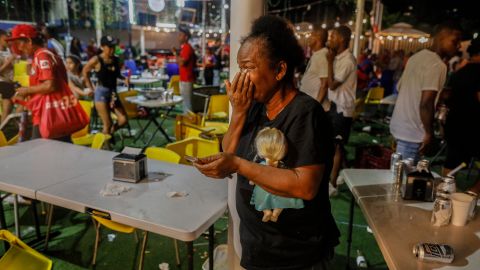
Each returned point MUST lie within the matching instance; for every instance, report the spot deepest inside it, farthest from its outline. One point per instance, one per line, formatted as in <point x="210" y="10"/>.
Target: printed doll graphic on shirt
<point x="271" y="149"/>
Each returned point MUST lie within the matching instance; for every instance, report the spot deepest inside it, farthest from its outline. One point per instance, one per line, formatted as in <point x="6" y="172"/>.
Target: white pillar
<point x="242" y="14"/>
<point x="358" y="27"/>
<point x="142" y="40"/>
<point x="98" y="20"/>
<point x="204" y="27"/>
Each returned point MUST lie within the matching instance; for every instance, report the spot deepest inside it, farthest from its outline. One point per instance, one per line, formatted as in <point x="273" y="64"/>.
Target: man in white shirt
<point x="423" y="77"/>
<point x="342" y="84"/>
<point x="314" y="81"/>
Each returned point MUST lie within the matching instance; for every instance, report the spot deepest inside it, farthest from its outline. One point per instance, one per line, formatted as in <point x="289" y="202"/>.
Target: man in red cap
<point x="48" y="72"/>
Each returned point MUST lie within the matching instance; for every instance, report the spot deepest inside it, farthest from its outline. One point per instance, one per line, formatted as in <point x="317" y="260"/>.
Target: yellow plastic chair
<point x="20" y="256"/>
<point x="162" y="154"/>
<point x="130" y="108"/>
<point x="218" y="107"/>
<point x="20" y="73"/>
<point x="82" y="137"/>
<point x="5" y="142"/>
<point x="374" y="95"/>
<point x="175" y="84"/>
<point x="99" y="140"/>
<point x="195" y="147"/>
<point x="20" y="68"/>
<point x="359" y="107"/>
<point x="115" y="226"/>
<point x="23" y="80"/>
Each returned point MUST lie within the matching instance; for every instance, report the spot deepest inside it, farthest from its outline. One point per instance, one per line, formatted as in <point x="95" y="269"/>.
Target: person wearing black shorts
<point x="7" y="89"/>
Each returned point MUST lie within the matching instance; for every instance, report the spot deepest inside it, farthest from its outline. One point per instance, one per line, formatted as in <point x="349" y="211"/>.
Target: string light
<point x="324" y="25"/>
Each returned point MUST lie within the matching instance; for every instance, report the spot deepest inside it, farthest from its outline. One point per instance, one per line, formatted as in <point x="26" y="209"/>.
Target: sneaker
<point x="332" y="191"/>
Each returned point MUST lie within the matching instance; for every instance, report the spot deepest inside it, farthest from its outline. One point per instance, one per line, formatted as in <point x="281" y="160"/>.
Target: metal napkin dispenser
<point x="419" y="185"/>
<point x="129" y="167"/>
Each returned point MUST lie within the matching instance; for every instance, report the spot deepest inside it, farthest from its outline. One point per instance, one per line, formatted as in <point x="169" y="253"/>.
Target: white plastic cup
<point x="461" y="208"/>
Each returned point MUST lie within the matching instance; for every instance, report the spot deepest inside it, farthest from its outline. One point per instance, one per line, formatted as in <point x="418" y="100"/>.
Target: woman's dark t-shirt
<point x="300" y="237"/>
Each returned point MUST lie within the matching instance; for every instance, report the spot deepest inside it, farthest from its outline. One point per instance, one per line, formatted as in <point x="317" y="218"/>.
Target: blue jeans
<point x="408" y="150"/>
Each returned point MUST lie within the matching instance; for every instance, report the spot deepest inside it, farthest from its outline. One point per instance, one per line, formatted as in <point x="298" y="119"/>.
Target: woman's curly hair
<point x="279" y="41"/>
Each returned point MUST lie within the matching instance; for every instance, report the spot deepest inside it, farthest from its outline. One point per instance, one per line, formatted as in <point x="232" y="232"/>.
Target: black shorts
<point x="341" y="125"/>
<point x="7" y="90"/>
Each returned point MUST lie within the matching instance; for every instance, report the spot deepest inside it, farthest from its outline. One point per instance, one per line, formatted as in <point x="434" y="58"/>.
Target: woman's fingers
<point x="240" y="83"/>
<point x="245" y="84"/>
<point x="250" y="91"/>
<point x="228" y="86"/>
<point x="235" y="82"/>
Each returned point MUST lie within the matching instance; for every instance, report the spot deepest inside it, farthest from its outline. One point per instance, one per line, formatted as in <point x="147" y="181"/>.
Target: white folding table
<point x="72" y="176"/>
<point x="399" y="224"/>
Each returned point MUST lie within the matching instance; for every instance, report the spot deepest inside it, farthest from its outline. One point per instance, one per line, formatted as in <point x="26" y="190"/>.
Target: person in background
<point x="75" y="79"/>
<point x="92" y="49"/>
<point x="7" y="88"/>
<point x="342" y="85"/>
<point x="107" y="67"/>
<point x="52" y="43"/>
<point x="396" y="64"/>
<point x="76" y="48"/>
<point x="48" y="71"/>
<point x="263" y="95"/>
<point x="364" y="71"/>
<point x="209" y="63"/>
<point x="314" y="81"/>
<point x="423" y="77"/>
<point x="463" y="139"/>
<point x="186" y="62"/>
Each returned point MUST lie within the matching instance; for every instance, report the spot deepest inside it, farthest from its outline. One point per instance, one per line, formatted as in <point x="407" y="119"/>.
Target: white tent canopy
<point x="403" y="29"/>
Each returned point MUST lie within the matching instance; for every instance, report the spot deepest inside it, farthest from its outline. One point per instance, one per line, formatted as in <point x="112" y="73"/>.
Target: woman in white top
<point x="7" y="89"/>
<point x="75" y="79"/>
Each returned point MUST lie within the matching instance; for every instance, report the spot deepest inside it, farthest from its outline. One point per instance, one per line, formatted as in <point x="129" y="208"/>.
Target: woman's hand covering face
<point x="240" y="92"/>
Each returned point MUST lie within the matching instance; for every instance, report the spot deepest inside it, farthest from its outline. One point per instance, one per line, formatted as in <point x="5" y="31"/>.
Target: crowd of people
<point x="108" y="65"/>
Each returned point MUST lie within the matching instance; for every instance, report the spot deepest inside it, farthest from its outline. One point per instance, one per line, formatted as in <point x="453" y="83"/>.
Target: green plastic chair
<point x="20" y="256"/>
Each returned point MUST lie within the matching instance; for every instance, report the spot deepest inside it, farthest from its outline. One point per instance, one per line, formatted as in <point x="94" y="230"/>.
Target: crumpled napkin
<point x="173" y="194"/>
<point x="114" y="189"/>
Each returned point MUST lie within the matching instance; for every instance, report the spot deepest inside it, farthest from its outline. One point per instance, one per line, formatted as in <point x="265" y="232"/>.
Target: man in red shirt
<point x="186" y="63"/>
<point x="48" y="73"/>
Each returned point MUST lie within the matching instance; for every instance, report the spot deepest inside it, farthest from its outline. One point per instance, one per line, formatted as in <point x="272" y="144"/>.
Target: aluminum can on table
<point x="442" y="210"/>
<point x="433" y="252"/>
<point x="394" y="159"/>
<point x="473" y="206"/>
<point x="447" y="185"/>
